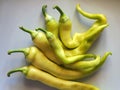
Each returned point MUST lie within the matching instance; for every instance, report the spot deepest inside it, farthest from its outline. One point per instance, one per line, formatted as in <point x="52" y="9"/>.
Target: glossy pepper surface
<point x="60" y="52"/>
<point x="35" y="57"/>
<point x="51" y="23"/>
<point x="35" y="74"/>
<point x="42" y="43"/>
<point x="65" y="27"/>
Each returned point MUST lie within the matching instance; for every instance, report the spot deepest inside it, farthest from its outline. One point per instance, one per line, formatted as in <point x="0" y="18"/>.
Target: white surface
<point x="15" y="13"/>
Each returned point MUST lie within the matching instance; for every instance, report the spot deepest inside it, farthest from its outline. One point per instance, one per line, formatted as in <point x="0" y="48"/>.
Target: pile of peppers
<point x="58" y="58"/>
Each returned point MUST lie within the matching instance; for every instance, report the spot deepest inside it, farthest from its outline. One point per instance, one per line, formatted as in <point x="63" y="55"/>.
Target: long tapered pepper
<point x="42" y="43"/>
<point x="60" y="52"/>
<point x="100" y="18"/>
<point x="65" y="27"/>
<point x="50" y="23"/>
<point x="38" y="59"/>
<point x="35" y="74"/>
<point x="78" y="66"/>
<point x="68" y="60"/>
<point x="86" y="39"/>
<point x="86" y="64"/>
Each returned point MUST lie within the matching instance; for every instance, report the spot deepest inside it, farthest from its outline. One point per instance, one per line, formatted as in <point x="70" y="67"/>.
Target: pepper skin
<point x="87" y="38"/>
<point x="35" y="74"/>
<point x="65" y="27"/>
<point x="89" y="64"/>
<point x="86" y="41"/>
<point x="42" y="43"/>
<point x="50" y="23"/>
<point x="38" y="59"/>
<point x="57" y="48"/>
<point x="35" y="57"/>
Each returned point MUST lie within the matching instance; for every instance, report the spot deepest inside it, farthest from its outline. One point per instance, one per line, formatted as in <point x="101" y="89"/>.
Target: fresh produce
<point x="36" y="74"/>
<point x="42" y="43"/>
<point x="59" y="50"/>
<point x="39" y="60"/>
<point x="57" y="58"/>
<point x="51" y="24"/>
<point x="65" y="27"/>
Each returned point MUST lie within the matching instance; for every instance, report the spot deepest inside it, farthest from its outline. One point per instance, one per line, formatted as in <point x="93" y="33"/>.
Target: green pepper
<point x="36" y="74"/>
<point x="35" y="57"/>
<point x="65" y="27"/>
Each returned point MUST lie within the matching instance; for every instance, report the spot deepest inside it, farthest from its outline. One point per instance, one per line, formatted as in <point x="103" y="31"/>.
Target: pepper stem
<point x="25" y="51"/>
<point x="59" y="10"/>
<point x="44" y="10"/>
<point x="41" y="29"/>
<point x="23" y="70"/>
<point x="48" y="34"/>
<point x="26" y="30"/>
<point x="31" y="32"/>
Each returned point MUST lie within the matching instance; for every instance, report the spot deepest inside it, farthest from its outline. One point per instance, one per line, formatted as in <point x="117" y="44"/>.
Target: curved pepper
<point x="71" y="62"/>
<point x="35" y="74"/>
<point x="60" y="52"/>
<point x="65" y="26"/>
<point x="86" y="39"/>
<point x="89" y="64"/>
<point x="42" y="43"/>
<point x="100" y="18"/>
<point x="39" y="60"/>
<point x="50" y="23"/>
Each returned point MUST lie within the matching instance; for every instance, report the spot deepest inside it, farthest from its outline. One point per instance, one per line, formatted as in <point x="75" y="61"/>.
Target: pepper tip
<point x="9" y="52"/>
<point x="20" y="27"/>
<point x="8" y="74"/>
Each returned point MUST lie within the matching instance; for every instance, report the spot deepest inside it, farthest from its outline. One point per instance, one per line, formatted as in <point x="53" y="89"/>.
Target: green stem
<point x="48" y="34"/>
<point x="63" y="17"/>
<point x="23" y="70"/>
<point x="44" y="10"/>
<point x="26" y="30"/>
<point x="25" y="51"/>
<point x="59" y="10"/>
<point x="41" y="29"/>
<point x="31" y="32"/>
<point x="46" y="16"/>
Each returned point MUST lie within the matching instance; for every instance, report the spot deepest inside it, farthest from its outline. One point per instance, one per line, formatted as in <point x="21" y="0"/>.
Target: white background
<point x="27" y="13"/>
